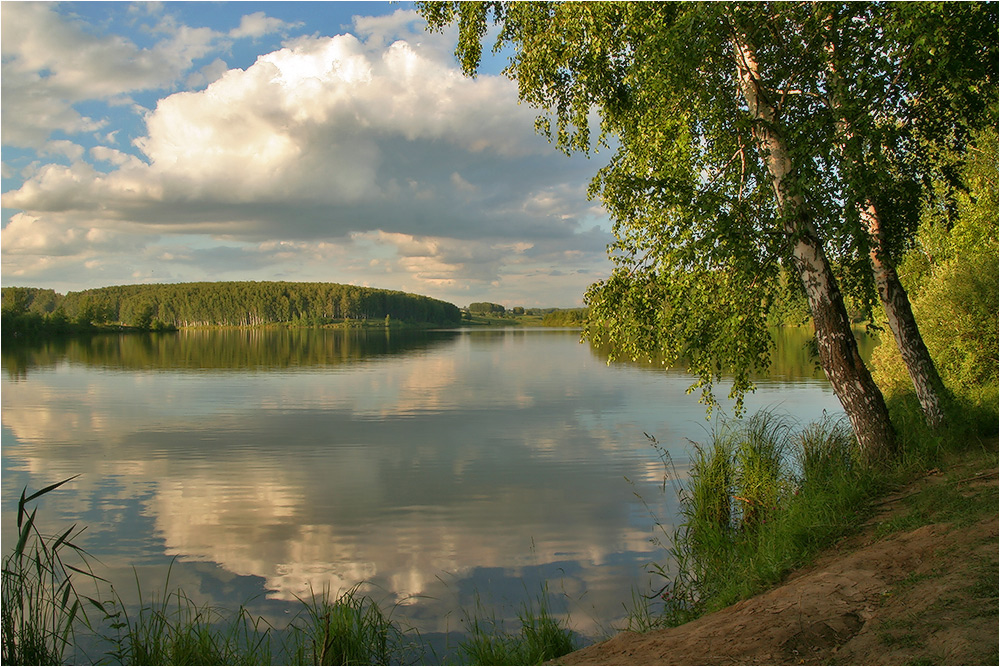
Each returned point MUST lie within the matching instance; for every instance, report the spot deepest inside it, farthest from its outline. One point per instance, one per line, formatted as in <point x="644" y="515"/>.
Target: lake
<point x="438" y="469"/>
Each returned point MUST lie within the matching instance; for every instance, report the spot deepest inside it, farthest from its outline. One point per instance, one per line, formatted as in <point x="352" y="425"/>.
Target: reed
<point x="175" y="630"/>
<point x="40" y="600"/>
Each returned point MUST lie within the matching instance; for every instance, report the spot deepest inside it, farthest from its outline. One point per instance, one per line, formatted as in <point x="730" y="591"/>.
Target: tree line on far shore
<point x="166" y="306"/>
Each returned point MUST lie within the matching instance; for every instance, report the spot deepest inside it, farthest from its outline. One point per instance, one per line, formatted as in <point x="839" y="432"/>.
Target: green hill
<point x="224" y="304"/>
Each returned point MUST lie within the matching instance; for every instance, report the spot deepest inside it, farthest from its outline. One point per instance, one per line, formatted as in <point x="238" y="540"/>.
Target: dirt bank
<point x="890" y="594"/>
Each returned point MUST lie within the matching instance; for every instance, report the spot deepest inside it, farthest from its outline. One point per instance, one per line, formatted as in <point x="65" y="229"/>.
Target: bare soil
<point x="912" y="595"/>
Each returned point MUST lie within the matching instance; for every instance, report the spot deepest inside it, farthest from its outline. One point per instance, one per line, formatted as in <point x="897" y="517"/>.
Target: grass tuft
<point x="351" y="629"/>
<point x="540" y="638"/>
<point x="762" y="498"/>
<point x="178" y="631"/>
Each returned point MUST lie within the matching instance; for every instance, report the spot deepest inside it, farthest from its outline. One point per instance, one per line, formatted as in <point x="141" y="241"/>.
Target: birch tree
<point x="728" y="164"/>
<point x="907" y="85"/>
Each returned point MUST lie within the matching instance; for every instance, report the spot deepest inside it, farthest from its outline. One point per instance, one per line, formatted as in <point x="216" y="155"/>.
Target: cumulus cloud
<point x="340" y="136"/>
<point x="341" y="140"/>
<point x="63" y="147"/>
<point x="114" y="156"/>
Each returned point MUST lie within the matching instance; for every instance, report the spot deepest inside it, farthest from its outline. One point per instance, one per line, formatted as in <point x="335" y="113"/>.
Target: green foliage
<point x="711" y="320"/>
<point x="951" y="273"/>
<point x="869" y="102"/>
<point x="162" y="306"/>
<point x="958" y="313"/>
<point x="16" y="301"/>
<point x="565" y="317"/>
<point x="486" y="307"/>
<point x="790" y="306"/>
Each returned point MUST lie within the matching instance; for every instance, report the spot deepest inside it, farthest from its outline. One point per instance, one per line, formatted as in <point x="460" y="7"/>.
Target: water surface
<point x="437" y="468"/>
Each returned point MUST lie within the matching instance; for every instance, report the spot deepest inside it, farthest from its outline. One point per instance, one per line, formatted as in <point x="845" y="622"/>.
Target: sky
<point x="302" y="141"/>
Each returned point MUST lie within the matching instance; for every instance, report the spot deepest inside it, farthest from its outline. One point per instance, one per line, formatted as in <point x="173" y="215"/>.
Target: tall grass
<point x="40" y="600"/>
<point x="351" y="629"/>
<point x="175" y="630"/>
<point x="761" y="497"/>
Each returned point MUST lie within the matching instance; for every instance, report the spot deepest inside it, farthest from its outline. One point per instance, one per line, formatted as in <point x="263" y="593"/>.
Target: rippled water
<point x="435" y="467"/>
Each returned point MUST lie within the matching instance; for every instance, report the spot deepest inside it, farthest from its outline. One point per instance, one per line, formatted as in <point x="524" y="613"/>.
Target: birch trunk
<point x="850" y="378"/>
<point x="926" y="380"/>
<point x="895" y="302"/>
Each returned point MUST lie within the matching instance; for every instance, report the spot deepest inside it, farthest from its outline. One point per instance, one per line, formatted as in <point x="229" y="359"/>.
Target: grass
<point x="349" y="630"/>
<point x="541" y="637"/>
<point x="177" y="631"/>
<point x="763" y="498"/>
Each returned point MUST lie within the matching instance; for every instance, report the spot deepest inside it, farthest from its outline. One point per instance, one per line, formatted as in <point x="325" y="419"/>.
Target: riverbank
<point x="916" y="584"/>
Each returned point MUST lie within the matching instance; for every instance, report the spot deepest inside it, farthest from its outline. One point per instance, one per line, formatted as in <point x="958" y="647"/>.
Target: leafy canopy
<point x="699" y="244"/>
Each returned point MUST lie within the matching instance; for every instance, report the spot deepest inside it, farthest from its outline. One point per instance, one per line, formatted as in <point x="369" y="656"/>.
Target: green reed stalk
<point x="178" y="631"/>
<point x="760" y="498"/>
<point x="40" y="602"/>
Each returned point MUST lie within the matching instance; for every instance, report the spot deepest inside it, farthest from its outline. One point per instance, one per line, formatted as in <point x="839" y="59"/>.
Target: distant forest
<point x="164" y="306"/>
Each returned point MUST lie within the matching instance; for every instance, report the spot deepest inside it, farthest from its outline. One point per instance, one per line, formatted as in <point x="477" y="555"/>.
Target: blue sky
<point x="302" y="141"/>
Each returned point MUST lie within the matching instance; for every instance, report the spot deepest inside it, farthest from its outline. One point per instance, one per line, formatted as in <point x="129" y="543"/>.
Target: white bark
<point x="850" y="378"/>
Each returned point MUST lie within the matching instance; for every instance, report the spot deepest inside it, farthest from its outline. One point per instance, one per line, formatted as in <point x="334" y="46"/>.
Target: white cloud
<point x="114" y="156"/>
<point x="259" y="24"/>
<point x="63" y="147"/>
<point x="207" y="74"/>
<point x="28" y="235"/>
<point x="327" y="123"/>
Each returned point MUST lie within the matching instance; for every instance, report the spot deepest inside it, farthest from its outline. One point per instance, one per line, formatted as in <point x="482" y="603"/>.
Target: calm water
<point x="436" y="467"/>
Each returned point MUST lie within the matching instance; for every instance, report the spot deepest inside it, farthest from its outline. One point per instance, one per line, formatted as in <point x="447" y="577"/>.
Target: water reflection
<point x="219" y="349"/>
<point x="794" y="355"/>
<point x="435" y="468"/>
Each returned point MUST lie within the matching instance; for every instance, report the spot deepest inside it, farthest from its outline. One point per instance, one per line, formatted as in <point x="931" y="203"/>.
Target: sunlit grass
<point x="763" y="498"/>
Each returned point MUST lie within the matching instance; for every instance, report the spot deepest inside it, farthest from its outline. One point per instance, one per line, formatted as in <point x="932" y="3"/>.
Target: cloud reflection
<point x="499" y="454"/>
